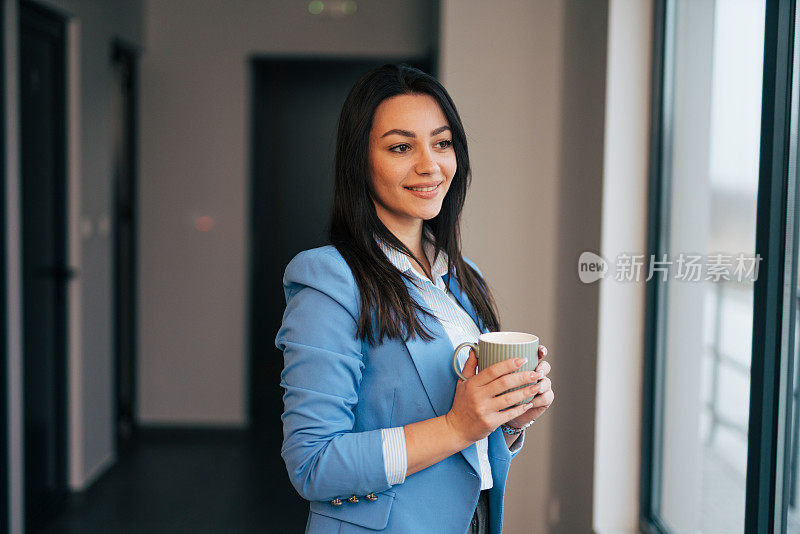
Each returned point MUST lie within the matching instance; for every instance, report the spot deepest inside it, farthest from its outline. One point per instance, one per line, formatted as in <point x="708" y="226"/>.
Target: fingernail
<point x="522" y="361"/>
<point x="533" y="375"/>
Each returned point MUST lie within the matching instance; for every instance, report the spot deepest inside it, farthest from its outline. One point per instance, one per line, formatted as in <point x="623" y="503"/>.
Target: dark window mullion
<point x="770" y="246"/>
<point x="788" y="409"/>
<point x="660" y="133"/>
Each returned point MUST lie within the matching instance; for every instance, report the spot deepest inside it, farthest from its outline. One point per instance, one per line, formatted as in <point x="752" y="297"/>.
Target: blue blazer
<point x="340" y="392"/>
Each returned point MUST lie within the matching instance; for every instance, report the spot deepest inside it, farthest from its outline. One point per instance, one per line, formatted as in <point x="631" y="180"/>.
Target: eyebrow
<point x="407" y="133"/>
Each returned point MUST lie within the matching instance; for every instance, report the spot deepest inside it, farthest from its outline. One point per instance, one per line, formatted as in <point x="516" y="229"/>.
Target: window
<point x="720" y="428"/>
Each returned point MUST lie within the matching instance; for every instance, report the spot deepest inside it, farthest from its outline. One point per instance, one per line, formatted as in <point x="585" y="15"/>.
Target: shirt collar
<point x="403" y="262"/>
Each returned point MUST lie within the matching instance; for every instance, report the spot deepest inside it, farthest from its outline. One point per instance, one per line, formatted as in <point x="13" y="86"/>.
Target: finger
<point x="544" y="400"/>
<point x="512" y="380"/>
<point x="543" y="367"/>
<point x="471" y="364"/>
<point x="515" y="412"/>
<point x="542" y="352"/>
<point x="506" y="400"/>
<point x="499" y="369"/>
<point x="543" y="386"/>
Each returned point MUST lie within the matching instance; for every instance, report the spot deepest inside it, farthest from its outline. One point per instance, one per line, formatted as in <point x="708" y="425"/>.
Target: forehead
<point x="408" y="112"/>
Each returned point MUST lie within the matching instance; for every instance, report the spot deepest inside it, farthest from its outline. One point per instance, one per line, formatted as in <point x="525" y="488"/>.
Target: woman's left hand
<point x="543" y="398"/>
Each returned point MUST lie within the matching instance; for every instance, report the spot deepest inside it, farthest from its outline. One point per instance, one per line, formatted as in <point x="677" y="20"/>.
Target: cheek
<point x="383" y="182"/>
<point x="379" y="178"/>
<point x="386" y="174"/>
<point x="450" y="168"/>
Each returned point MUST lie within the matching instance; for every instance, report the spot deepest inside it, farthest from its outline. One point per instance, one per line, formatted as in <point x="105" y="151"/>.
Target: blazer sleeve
<point x="323" y="365"/>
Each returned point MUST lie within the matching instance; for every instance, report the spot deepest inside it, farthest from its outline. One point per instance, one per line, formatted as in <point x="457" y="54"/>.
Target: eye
<point x="406" y="145"/>
<point x="447" y="143"/>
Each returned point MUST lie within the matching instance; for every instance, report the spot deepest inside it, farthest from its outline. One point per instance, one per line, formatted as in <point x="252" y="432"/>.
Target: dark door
<point x="123" y="118"/>
<point x="296" y="109"/>
<point x="44" y="261"/>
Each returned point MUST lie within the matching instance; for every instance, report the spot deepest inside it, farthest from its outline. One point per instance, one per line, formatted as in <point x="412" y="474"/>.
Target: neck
<point x="409" y="232"/>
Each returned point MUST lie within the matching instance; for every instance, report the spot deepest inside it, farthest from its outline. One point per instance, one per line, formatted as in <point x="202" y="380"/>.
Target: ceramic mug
<point x="494" y="347"/>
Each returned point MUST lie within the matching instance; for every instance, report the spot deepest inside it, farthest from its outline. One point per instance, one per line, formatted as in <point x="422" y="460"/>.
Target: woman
<point x="378" y="434"/>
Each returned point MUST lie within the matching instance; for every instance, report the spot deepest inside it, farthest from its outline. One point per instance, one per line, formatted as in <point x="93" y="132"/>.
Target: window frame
<point x="768" y="401"/>
<point x="660" y="131"/>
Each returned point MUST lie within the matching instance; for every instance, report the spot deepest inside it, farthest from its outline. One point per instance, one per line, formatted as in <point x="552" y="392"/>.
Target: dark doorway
<point x="296" y="105"/>
<point x="45" y="273"/>
<point x="123" y="119"/>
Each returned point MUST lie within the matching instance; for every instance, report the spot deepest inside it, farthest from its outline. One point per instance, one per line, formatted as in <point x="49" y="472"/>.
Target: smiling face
<point x="410" y="148"/>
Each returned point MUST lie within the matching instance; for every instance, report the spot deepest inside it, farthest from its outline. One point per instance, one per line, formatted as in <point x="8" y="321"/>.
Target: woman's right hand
<point x="479" y="405"/>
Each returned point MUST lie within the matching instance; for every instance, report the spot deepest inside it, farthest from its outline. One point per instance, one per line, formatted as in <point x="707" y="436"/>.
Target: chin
<point x="429" y="213"/>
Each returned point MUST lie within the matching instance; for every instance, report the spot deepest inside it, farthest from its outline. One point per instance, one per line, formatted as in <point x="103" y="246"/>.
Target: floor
<point x="198" y="481"/>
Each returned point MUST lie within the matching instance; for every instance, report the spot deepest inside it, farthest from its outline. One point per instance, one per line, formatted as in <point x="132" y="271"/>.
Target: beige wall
<point x="194" y="154"/>
<point x="528" y="79"/>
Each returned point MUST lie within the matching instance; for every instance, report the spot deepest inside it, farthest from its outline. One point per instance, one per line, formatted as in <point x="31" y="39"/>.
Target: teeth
<point x="423" y="188"/>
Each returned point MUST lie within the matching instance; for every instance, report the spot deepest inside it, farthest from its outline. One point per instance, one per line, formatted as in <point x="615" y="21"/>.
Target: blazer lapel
<point x="470" y="453"/>
<point x="452" y="283"/>
<point x="433" y="361"/>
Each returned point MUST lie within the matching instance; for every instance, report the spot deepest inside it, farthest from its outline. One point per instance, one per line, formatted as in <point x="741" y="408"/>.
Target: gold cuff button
<point x="336" y="502"/>
<point x="353" y="499"/>
<point x="372" y="497"/>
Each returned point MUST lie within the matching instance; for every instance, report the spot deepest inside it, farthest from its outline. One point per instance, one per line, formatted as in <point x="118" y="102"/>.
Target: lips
<point x="425" y="194"/>
<point x="429" y="186"/>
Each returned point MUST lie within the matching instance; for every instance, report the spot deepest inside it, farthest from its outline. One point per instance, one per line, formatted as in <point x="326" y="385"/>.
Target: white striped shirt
<point x="459" y="327"/>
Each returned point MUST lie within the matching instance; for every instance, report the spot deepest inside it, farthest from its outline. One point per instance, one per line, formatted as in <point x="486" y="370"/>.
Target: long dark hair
<point x="386" y="305"/>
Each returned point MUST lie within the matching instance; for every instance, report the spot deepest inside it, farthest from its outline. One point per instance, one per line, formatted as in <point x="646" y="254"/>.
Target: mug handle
<point x="455" y="357"/>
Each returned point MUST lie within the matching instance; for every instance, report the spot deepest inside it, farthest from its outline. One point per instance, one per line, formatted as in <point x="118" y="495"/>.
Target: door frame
<point x="122" y="51"/>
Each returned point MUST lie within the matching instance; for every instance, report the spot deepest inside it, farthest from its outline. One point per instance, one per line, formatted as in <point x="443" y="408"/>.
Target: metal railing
<point x="719" y="360"/>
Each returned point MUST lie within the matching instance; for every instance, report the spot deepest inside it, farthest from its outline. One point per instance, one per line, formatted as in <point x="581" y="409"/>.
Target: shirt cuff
<point x="517" y="445"/>
<point x="395" y="461"/>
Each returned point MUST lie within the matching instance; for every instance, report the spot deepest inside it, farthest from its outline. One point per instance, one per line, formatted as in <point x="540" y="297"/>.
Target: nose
<point x="426" y="164"/>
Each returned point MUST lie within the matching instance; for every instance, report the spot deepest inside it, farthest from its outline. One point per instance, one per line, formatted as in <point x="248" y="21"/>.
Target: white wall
<point x="528" y="79"/>
<point x="624" y="230"/>
<point x="194" y="154"/>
